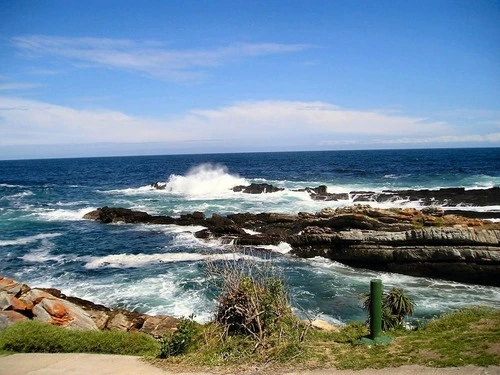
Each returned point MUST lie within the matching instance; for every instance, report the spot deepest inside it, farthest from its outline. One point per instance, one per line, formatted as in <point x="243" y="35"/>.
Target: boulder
<point x="10" y="302"/>
<point x="157" y="326"/>
<point x="10" y="317"/>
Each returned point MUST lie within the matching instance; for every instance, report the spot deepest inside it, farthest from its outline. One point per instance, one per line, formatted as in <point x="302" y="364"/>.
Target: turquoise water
<point x="160" y="269"/>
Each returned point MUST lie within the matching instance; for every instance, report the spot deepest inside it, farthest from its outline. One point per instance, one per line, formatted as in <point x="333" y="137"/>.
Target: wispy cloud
<point x="10" y="86"/>
<point x="150" y="57"/>
<point x="250" y="123"/>
<point x="491" y="138"/>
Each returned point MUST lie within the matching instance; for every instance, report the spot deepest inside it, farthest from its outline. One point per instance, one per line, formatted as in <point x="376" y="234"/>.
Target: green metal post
<point x="375" y="308"/>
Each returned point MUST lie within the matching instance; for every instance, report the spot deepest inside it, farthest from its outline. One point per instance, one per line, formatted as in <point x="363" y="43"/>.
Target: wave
<point x="22" y="194"/>
<point x="29" y="239"/>
<point x="10" y="185"/>
<point x="140" y="260"/>
<point x="204" y="179"/>
<point x="282" y="248"/>
<point x="42" y="253"/>
<point x="68" y="204"/>
<point x="63" y="215"/>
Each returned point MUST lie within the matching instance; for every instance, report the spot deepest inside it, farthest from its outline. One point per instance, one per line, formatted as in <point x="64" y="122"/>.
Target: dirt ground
<point x="103" y="364"/>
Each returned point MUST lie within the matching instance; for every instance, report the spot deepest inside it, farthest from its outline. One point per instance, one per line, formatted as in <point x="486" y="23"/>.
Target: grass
<point x="33" y="336"/>
<point x="464" y="337"/>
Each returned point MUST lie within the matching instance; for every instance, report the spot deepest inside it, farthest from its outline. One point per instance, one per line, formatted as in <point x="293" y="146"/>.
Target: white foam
<point x="204" y="180"/>
<point x="42" y="253"/>
<point x="29" y="239"/>
<point x="282" y="248"/>
<point x="141" y="260"/>
<point x="128" y="191"/>
<point x="63" y="215"/>
<point x="22" y="194"/>
<point x="68" y="204"/>
<point x="251" y="232"/>
<point x="10" y="185"/>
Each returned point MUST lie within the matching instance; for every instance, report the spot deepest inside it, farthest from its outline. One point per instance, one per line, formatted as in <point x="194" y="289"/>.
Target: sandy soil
<point x="102" y="364"/>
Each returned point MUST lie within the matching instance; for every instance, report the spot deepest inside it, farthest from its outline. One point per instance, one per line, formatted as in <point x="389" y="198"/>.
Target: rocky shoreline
<point x="427" y="242"/>
<point x="19" y="302"/>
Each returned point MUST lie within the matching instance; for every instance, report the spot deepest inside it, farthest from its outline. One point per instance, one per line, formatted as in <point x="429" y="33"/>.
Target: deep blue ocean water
<point x="160" y="269"/>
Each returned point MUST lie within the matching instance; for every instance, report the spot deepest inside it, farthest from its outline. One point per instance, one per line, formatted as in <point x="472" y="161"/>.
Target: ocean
<point x="160" y="269"/>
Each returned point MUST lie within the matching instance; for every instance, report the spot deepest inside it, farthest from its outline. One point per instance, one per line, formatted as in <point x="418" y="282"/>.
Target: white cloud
<point x="32" y="122"/>
<point x="251" y="123"/>
<point x="150" y="57"/>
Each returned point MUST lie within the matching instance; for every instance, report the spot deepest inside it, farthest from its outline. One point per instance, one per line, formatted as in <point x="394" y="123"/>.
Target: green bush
<point x="396" y="306"/>
<point x="38" y="337"/>
<point x="181" y="340"/>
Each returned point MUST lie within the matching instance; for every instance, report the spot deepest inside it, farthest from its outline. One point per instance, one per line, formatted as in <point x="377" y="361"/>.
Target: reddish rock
<point x="34" y="296"/>
<point x="11" y="287"/>
<point x="55" y="308"/>
<point x="158" y="326"/>
<point x="10" y="317"/>
<point x="9" y="302"/>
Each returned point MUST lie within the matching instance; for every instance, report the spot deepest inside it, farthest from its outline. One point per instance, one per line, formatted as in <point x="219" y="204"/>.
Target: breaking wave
<point x="29" y="239"/>
<point x="204" y="179"/>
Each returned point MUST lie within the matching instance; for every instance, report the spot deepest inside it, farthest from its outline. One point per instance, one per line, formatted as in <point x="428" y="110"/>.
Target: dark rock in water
<point x="159" y="186"/>
<point x="257" y="189"/>
<point x="320" y="194"/>
<point x="409" y="241"/>
<point x="441" y="197"/>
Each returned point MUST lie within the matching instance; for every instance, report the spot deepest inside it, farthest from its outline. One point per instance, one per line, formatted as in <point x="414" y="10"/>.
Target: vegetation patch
<point x="39" y="337"/>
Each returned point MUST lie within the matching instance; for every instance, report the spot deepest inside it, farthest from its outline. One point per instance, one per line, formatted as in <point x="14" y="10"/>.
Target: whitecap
<point x="63" y="215"/>
<point x="22" y="194"/>
<point x="141" y="260"/>
<point x="10" y="185"/>
<point x="68" y="204"/>
<point x="42" y="253"/>
<point x="29" y="239"/>
<point x="204" y="180"/>
<point x="282" y="248"/>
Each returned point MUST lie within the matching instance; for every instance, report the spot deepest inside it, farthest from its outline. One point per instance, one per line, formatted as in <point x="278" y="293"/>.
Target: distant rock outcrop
<point x="19" y="302"/>
<point x="425" y="242"/>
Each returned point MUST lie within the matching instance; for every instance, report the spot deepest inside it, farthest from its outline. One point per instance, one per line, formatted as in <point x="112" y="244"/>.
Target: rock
<point x="441" y="197"/>
<point x="360" y="236"/>
<point x="12" y="287"/>
<point x="57" y="311"/>
<point x="122" y="322"/>
<point x="257" y="189"/>
<point x="325" y="326"/>
<point x="158" y="326"/>
<point x="9" y="302"/>
<point x="51" y="306"/>
<point x="10" y="317"/>
<point x="320" y="194"/>
<point x="158" y="186"/>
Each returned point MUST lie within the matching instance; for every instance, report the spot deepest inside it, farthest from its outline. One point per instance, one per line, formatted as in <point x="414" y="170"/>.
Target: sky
<point x="104" y="78"/>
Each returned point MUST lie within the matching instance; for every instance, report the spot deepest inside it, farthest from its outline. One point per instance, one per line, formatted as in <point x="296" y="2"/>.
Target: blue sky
<point x="92" y="78"/>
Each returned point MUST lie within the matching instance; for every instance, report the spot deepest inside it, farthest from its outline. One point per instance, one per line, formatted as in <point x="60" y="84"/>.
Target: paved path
<point x="103" y="364"/>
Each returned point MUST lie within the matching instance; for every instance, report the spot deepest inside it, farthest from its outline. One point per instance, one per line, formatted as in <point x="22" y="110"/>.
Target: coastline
<point x="425" y="242"/>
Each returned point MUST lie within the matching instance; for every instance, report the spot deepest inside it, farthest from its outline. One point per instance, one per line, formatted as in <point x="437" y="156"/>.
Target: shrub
<point x="396" y="306"/>
<point x="181" y="340"/>
<point x="253" y="301"/>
